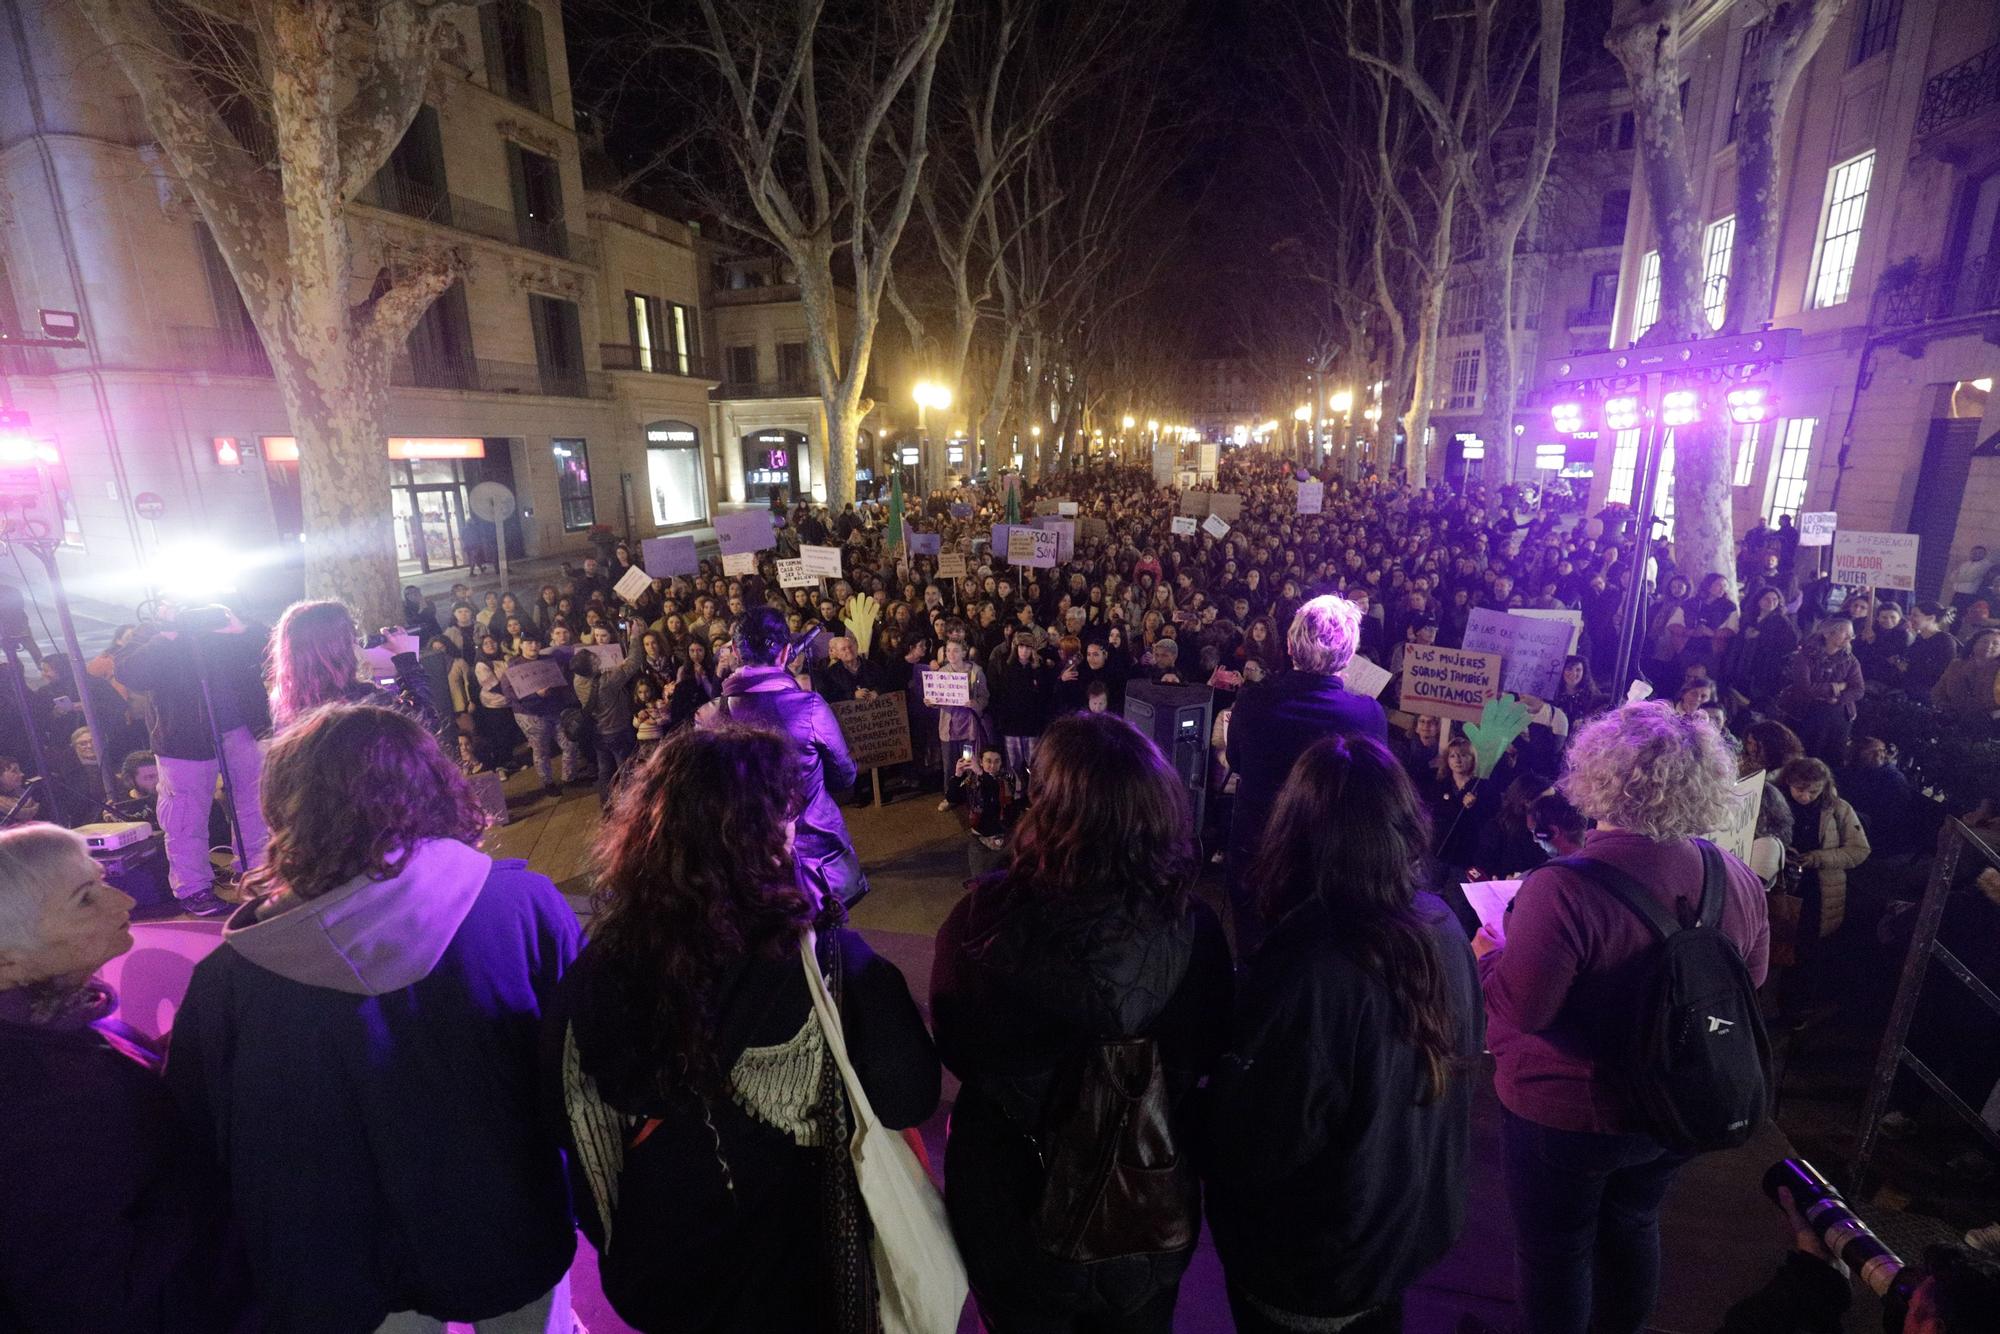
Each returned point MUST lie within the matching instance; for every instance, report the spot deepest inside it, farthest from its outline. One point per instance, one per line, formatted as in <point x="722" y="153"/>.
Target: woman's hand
<point x="1484" y="942"/>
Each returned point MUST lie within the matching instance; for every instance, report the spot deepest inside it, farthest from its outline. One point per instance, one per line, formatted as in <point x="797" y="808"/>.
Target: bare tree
<point x="337" y="82"/>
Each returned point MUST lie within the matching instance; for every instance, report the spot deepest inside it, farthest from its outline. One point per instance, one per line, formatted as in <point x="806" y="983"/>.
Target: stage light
<point x="1622" y="412"/>
<point x="1567" y="417"/>
<point x="1680" y="407"/>
<point x="1750" y="403"/>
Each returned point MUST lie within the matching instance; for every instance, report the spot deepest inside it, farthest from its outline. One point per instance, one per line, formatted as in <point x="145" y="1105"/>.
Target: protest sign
<point x="1033" y="548"/>
<point x="531" y="676"/>
<point x="1184" y="526"/>
<point x="877" y="731"/>
<point x="1531" y="650"/>
<point x="821" y="562"/>
<point x="1195" y="503"/>
<point x="740" y="562"/>
<point x="951" y="565"/>
<point x="1816" y="530"/>
<point x="1066" y="508"/>
<point x="948" y="688"/>
<point x="1065" y="529"/>
<point x="961" y="510"/>
<point x="748" y="530"/>
<point x="999" y="539"/>
<point x="925" y="544"/>
<point x="1573" y="619"/>
<point x="1209" y="457"/>
<point x="1095" y="530"/>
<point x="665" y="557"/>
<point x="1448" y="683"/>
<point x="1215" y="527"/>
<point x="1363" y="677"/>
<point x="1226" y="505"/>
<point x="1875" y="560"/>
<point x="792" y="574"/>
<point x="606" y="656"/>
<point x="632" y="583"/>
<point x="1739" y="831"/>
<point x="1311" y="496"/>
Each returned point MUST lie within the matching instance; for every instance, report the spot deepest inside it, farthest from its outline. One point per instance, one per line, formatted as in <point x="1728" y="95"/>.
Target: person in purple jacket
<point x="1584" y="1184"/>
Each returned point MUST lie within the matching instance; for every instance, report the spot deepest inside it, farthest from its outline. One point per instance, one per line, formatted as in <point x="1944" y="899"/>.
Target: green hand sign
<point x="1500" y="721"/>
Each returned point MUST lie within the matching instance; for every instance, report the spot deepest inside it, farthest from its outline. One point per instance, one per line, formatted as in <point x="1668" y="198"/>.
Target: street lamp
<point x="1341" y="400"/>
<point x="928" y="394"/>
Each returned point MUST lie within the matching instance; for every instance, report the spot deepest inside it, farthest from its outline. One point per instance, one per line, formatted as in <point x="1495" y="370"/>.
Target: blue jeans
<point x="1586" y="1211"/>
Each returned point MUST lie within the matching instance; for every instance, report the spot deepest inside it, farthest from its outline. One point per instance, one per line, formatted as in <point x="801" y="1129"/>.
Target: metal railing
<point x="219" y="351"/>
<point x="807" y="388"/>
<point x="1590" y="317"/>
<point x="1968" y="87"/>
<point x="625" y="357"/>
<point x="1937" y="292"/>
<point x="415" y="199"/>
<point x="513" y="377"/>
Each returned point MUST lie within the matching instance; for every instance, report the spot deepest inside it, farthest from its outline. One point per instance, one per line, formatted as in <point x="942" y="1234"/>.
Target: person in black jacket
<point x="1088" y="936"/>
<point x="685" y="1064"/>
<point x="111" y="1214"/>
<point x="1020" y="691"/>
<point x="1272" y="726"/>
<point x="1339" y="1124"/>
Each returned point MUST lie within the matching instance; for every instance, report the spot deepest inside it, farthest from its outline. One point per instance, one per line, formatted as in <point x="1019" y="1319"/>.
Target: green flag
<point x="895" y="510"/>
<point x="1013" y="485"/>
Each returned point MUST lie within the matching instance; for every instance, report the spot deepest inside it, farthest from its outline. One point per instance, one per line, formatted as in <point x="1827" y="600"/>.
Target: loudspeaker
<point x="1177" y="719"/>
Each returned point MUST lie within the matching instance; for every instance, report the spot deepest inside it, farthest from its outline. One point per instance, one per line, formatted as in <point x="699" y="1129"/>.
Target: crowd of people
<point x="405" y="1078"/>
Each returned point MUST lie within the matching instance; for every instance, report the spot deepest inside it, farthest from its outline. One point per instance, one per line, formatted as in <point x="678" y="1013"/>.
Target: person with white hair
<point x="109" y="1218"/>
<point x="1274" y="724"/>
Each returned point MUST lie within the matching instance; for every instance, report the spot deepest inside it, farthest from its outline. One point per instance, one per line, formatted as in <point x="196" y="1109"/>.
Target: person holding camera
<point x="991" y="796"/>
<point x="203" y="658"/>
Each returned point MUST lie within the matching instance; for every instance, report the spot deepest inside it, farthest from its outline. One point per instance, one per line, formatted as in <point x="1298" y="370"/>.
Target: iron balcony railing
<point x="420" y="200"/>
<point x="1965" y="89"/>
<point x="218" y="351"/>
<point x="625" y="357"/>
<point x="1934" y="292"/>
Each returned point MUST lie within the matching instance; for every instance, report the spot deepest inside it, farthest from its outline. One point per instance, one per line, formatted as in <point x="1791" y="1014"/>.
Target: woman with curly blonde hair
<point x="1585" y="1181"/>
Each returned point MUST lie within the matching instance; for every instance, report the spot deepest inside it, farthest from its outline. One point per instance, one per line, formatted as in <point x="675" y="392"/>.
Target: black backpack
<point x="1692" y="1059"/>
<point x="1115" y="1183"/>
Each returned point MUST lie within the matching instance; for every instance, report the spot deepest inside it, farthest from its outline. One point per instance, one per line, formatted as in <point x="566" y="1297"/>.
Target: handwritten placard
<point x="951" y="565"/>
<point x="745" y="531"/>
<point x="665" y="557"/>
<point x="608" y="657"/>
<point x="1185" y="526"/>
<point x="1531" y="650"/>
<point x="1739" y="831"/>
<point x="1032" y="548"/>
<point x="1875" y="560"/>
<point x="1448" y="682"/>
<point x="1572" y="619"/>
<point x="1311" y="497"/>
<point x="1215" y="526"/>
<point x="531" y="676"/>
<point x="1227" y="505"/>
<point x="792" y="574"/>
<point x="1065" y="530"/>
<point x="821" y="562"/>
<point x="740" y="562"/>
<point x="877" y="731"/>
<point x="943" y="689"/>
<point x="1195" y="503"/>
<point x="1816" y="530"/>
<point x="1066" y="508"/>
<point x="632" y="583"/>
<point x="925" y="544"/>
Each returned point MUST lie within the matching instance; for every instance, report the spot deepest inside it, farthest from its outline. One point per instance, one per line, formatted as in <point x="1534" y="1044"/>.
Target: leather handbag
<point x="919" y="1278"/>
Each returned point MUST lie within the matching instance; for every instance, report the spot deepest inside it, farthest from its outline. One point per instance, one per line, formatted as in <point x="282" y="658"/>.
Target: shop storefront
<point x="775" y="461"/>
<point x="427" y="495"/>
<point x="675" y="475"/>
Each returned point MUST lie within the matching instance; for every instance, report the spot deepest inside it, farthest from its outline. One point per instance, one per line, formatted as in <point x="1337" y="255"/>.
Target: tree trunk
<point x="1496" y="417"/>
<point x="337" y="419"/>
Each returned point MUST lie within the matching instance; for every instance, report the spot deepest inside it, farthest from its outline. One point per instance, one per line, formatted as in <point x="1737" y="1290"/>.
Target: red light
<point x="228" y="454"/>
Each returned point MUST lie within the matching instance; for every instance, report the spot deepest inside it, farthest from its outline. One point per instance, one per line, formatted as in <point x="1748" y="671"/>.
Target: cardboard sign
<point x="1363" y="677"/>
<point x="632" y="583"/>
<point x="948" y="688"/>
<point x="665" y="557"/>
<point x="608" y="657"/>
<point x="525" y="676"/>
<point x="1311" y="497"/>
<point x="1184" y="527"/>
<point x="1573" y="619"/>
<point x="740" y="562"/>
<point x="1816" y="530"/>
<point x="924" y="544"/>
<point x="821" y="562"/>
<point x="1531" y="650"/>
<point x="951" y="565"/>
<point x="1739" y="831"/>
<point x="746" y="531"/>
<point x="1047" y="508"/>
<point x="1096" y="530"/>
<point x="1066" y="508"/>
<point x="1451" y="683"/>
<point x="877" y="731"/>
<point x="1215" y="527"/>
<point x="1033" y="548"/>
<point x="792" y="574"/>
<point x="1227" y="505"/>
<point x="1195" y="503"/>
<point x="1875" y="560"/>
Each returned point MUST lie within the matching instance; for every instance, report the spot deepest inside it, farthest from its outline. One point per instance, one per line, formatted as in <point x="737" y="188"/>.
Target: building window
<point x="1624" y="465"/>
<point x="1528" y="292"/>
<point x="412" y="181"/>
<point x="558" y="344"/>
<point x="1746" y="60"/>
<point x="681" y="327"/>
<point x="1603" y="293"/>
<point x="1611" y="215"/>
<point x="743" y="365"/>
<point x="572" y="459"/>
<point x="1663" y="498"/>
<point x="792" y="371"/>
<point x="1876" y="31"/>
<point x="517" y="61"/>
<point x="1646" y="310"/>
<point x="538" y="201"/>
<point x="642" y="318"/>
<point x="1461" y="309"/>
<point x="1788" y="468"/>
<point x="440" y="344"/>
<point x="1464" y="381"/>
<point x="1715" y="251"/>
<point x="675" y="475"/>
<point x="1747" y="438"/>
<point x="1840" y="235"/>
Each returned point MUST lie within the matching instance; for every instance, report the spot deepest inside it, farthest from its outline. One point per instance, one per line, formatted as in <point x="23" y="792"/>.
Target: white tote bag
<point x="919" y="1277"/>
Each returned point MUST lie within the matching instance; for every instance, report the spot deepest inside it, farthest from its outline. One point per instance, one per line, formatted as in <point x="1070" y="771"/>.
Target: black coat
<point x="1332" y="1183"/>
<point x="1021" y="985"/>
<point x="1019" y="697"/>
<point x="170" y="670"/>
<point x="1268" y="731"/>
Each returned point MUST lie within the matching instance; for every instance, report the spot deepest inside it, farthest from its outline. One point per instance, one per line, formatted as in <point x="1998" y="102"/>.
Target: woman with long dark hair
<point x="706" y="1124"/>
<point x="1088" y="938"/>
<point x="1340" y="1122"/>
<point x="313" y="662"/>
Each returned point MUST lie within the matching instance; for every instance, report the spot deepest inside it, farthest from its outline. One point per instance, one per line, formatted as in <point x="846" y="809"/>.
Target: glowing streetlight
<point x="929" y="394"/>
<point x="1152" y="428"/>
<point x="1341" y="400"/>
<point x="1302" y="413"/>
<point x="1035" y="431"/>
<point x="1129" y="421"/>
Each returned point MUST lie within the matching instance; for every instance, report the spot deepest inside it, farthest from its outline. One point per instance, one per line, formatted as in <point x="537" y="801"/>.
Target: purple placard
<point x="748" y="531"/>
<point x="1000" y="531"/>
<point x="665" y="557"/>
<point x="961" y="510"/>
<point x="925" y="544"/>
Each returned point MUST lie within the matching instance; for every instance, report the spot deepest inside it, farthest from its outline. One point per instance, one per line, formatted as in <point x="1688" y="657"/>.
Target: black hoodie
<point x="1023" y="982"/>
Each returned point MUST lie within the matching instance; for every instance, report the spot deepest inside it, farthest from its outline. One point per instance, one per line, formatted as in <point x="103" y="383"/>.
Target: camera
<point x="1846" y="1237"/>
<point x="196" y="620"/>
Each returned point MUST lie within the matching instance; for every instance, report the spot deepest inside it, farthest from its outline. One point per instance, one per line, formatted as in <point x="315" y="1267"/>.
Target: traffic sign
<point x="493" y="502"/>
<point x="148" y="505"/>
